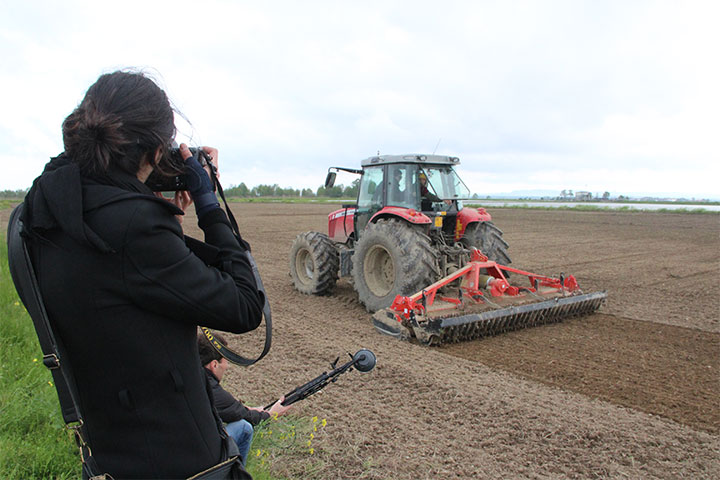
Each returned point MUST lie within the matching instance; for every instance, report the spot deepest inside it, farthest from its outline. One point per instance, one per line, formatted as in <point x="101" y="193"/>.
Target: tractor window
<point x="446" y="183"/>
<point x="401" y="188"/>
<point x="371" y="189"/>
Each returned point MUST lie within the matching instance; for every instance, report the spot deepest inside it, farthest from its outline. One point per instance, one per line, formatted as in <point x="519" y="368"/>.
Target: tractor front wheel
<point x="392" y="258"/>
<point x="314" y="263"/>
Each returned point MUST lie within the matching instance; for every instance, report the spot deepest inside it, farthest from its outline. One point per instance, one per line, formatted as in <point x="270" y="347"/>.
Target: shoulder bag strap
<point x="26" y="284"/>
<point x="23" y="276"/>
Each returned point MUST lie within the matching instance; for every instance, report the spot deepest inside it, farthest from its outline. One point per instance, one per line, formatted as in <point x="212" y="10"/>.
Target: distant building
<point x="581" y="196"/>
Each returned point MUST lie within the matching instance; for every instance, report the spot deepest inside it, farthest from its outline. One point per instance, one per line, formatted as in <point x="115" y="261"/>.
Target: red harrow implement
<point x="483" y="302"/>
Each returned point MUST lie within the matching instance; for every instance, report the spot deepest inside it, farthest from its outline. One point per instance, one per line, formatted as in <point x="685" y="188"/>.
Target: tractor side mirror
<point x="330" y="179"/>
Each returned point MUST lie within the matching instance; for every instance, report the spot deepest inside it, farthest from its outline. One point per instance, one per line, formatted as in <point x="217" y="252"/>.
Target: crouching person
<point x="238" y="418"/>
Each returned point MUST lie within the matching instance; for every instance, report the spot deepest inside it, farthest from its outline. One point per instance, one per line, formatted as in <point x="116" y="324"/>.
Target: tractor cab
<point x="404" y="185"/>
<point x="416" y="183"/>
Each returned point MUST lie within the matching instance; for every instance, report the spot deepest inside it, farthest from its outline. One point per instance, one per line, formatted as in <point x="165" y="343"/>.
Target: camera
<point x="162" y="183"/>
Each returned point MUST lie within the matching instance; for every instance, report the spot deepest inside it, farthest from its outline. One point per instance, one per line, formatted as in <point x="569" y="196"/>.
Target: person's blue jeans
<point x="242" y="432"/>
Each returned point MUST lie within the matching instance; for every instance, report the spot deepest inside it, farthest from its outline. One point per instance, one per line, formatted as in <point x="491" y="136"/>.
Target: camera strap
<point x="26" y="284"/>
<point x="223" y="350"/>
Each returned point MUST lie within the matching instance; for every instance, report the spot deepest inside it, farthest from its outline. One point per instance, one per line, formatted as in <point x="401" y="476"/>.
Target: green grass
<point x="8" y="203"/>
<point x="33" y="440"/>
<point x="289" y="447"/>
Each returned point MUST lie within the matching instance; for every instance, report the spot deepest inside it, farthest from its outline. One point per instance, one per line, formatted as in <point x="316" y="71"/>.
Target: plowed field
<point x="632" y="391"/>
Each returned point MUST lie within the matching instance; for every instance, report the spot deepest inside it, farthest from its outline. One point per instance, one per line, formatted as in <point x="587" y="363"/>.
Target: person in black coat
<point x="124" y="289"/>
<point x="239" y="419"/>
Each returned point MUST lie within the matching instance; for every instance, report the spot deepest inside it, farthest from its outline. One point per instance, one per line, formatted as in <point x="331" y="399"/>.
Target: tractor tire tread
<point x="325" y="260"/>
<point x="415" y="261"/>
<point x="487" y="237"/>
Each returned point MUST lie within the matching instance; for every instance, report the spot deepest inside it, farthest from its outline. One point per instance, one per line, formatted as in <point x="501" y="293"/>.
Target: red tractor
<point x="407" y="230"/>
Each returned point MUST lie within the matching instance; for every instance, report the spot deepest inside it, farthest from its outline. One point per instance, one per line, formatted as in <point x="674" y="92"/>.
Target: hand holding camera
<point x="198" y="178"/>
<point x="207" y="157"/>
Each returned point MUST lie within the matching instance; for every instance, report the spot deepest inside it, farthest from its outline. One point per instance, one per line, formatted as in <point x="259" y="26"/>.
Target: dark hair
<point x="208" y="353"/>
<point x="124" y="117"/>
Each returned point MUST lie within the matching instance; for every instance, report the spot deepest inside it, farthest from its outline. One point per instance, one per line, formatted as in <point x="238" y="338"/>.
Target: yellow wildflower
<point x="324" y="422"/>
<point x="309" y="442"/>
<point x="35" y="360"/>
<point x="312" y="436"/>
<point x="312" y="450"/>
<point x="259" y="452"/>
<point x="50" y="383"/>
<point x="314" y="419"/>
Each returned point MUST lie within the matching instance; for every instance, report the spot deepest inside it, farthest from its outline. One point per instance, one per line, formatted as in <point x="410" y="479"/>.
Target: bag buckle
<point x="85" y="451"/>
<point x="51" y="361"/>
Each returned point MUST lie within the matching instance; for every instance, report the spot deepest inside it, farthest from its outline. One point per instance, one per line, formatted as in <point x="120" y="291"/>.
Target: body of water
<point x="636" y="206"/>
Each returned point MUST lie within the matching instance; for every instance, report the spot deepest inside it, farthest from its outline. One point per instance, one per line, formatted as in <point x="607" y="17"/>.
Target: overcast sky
<point x="618" y="96"/>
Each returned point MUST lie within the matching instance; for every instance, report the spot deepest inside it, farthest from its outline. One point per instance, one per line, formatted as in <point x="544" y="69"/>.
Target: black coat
<point x="126" y="294"/>
<point x="228" y="407"/>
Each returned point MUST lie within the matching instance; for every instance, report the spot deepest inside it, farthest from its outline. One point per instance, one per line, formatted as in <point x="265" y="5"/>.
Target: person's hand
<point x="182" y="200"/>
<point x="199" y="182"/>
<point x="198" y="178"/>
<point x="278" y="409"/>
<point x="213" y="154"/>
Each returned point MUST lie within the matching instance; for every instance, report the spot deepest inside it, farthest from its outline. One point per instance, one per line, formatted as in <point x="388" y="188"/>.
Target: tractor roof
<point x="411" y="158"/>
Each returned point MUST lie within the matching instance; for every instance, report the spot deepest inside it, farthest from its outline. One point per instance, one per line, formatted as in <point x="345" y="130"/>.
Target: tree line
<point x="13" y="194"/>
<point x="338" y="191"/>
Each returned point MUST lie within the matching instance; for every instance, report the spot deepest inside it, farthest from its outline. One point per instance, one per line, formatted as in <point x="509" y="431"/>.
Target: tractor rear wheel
<point x="487" y="238"/>
<point x="314" y="263"/>
<point x="392" y="258"/>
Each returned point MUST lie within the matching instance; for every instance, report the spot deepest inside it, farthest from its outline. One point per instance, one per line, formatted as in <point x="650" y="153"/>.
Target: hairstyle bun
<point x="104" y="129"/>
<point x="124" y="117"/>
